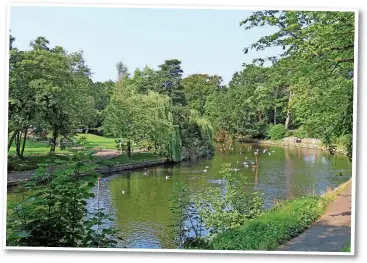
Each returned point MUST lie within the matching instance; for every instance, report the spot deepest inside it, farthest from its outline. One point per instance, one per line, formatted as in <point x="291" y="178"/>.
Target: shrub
<point x="54" y="213"/>
<point x="301" y="133"/>
<point x="277" y="132"/>
<point x="345" y="141"/>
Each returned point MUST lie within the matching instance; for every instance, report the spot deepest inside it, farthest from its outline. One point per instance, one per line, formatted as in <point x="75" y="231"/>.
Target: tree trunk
<point x="287" y="120"/>
<point x="54" y="137"/>
<point x="15" y="133"/>
<point x="24" y="140"/>
<point x="275" y="115"/>
<point x="17" y="143"/>
<point x="128" y="148"/>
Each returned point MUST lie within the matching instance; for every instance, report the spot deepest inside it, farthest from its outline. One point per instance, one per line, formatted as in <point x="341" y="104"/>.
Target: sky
<point x="206" y="41"/>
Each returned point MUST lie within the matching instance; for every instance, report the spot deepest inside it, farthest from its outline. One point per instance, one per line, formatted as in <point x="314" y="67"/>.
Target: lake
<point x="139" y="203"/>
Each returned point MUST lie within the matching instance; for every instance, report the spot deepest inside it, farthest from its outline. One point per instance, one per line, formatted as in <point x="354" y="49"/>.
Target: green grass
<point x="346" y="249"/>
<point x="276" y="226"/>
<point x="33" y="162"/>
<point x="96" y="141"/>
<point x="33" y="147"/>
<point x="135" y="158"/>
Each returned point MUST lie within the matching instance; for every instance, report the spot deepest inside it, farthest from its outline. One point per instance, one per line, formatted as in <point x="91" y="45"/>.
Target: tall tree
<point x="122" y="70"/>
<point x="198" y="87"/>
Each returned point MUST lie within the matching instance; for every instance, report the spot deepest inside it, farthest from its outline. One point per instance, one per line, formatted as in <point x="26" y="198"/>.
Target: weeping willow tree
<point x="159" y="125"/>
<point x="143" y="117"/>
<point x="197" y="136"/>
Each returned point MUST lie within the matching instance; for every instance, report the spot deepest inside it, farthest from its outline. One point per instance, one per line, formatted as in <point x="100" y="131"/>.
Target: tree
<point x="122" y="70"/>
<point x="169" y="79"/>
<point x="319" y="51"/>
<point x="122" y="115"/>
<point x="198" y="87"/>
<point x="50" y="86"/>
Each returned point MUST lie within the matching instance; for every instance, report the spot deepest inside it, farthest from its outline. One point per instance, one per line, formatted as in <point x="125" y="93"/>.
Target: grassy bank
<point x="278" y="225"/>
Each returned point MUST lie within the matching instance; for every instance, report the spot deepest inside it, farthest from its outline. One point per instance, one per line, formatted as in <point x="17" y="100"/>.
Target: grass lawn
<point x="32" y="162"/>
<point x="95" y="141"/>
<point x="135" y="158"/>
<point x="33" y="147"/>
<point x="276" y="226"/>
<point x="36" y="152"/>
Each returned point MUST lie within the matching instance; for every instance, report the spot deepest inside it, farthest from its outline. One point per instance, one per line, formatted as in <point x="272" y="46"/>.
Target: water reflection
<point x="139" y="200"/>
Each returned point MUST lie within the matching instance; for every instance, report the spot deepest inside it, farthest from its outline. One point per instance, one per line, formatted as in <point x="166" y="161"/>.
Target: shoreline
<point x="320" y="147"/>
<point x="24" y="176"/>
<point x="288" y="231"/>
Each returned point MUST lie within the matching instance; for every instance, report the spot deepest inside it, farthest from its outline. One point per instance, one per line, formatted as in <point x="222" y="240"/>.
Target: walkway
<point x="330" y="233"/>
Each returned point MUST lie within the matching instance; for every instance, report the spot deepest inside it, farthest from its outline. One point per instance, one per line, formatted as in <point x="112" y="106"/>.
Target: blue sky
<point x="206" y="41"/>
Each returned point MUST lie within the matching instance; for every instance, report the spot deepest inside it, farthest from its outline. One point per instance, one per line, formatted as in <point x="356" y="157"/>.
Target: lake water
<point x="139" y="203"/>
<point x="142" y="212"/>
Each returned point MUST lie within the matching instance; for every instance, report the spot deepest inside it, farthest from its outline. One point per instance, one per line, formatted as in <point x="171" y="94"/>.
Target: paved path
<point x="330" y="233"/>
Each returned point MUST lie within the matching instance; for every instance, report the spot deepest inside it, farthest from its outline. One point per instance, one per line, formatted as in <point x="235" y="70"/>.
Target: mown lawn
<point x="135" y="158"/>
<point x="96" y="141"/>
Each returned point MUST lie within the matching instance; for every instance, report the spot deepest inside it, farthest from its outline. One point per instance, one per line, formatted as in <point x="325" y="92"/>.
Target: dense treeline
<point x="51" y="90"/>
<point x="305" y="91"/>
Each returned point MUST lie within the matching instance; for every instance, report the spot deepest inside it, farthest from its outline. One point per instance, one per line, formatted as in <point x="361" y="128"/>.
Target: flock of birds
<point x="246" y="163"/>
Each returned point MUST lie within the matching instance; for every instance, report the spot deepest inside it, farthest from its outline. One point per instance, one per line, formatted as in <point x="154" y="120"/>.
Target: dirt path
<point x="107" y="154"/>
<point x="331" y="232"/>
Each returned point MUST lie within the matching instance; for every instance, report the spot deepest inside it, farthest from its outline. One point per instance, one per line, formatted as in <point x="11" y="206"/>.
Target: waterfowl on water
<point x="206" y="167"/>
<point x="122" y="192"/>
<point x="167" y="177"/>
<point x="236" y="169"/>
<point x="205" y="171"/>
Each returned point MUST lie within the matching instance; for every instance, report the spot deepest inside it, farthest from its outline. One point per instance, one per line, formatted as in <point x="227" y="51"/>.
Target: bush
<point x="345" y="141"/>
<point x="55" y="214"/>
<point x="277" y="132"/>
<point x="301" y="133"/>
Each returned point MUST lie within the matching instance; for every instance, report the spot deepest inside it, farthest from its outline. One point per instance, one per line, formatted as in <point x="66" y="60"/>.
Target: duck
<point x="167" y="177"/>
<point x="206" y="167"/>
<point x="205" y="171"/>
<point x="235" y="169"/>
<point x="246" y="157"/>
<point x="122" y="192"/>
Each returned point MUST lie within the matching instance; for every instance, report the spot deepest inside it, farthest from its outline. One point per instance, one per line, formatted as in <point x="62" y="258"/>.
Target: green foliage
<point x="220" y="211"/>
<point x="300" y="133"/>
<point x="318" y="57"/>
<point x="274" y="227"/>
<point x="54" y="213"/>
<point x="198" y="87"/>
<point x="277" y="132"/>
<point x="184" y="211"/>
<point x="48" y="88"/>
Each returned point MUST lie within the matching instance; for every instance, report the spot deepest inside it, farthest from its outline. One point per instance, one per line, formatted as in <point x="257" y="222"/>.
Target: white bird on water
<point x="246" y="157"/>
<point x="167" y="177"/>
<point x="205" y="171"/>
<point x="236" y="169"/>
<point x="122" y="192"/>
<point x="206" y="167"/>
